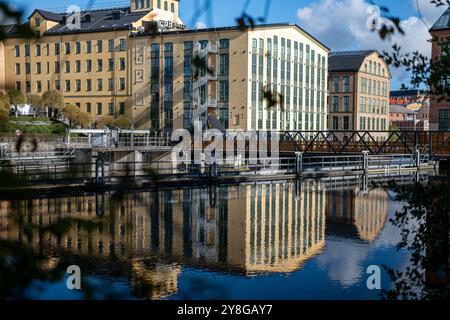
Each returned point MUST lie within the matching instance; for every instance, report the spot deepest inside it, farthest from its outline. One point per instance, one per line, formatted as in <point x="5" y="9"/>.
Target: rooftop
<point x="97" y="20"/>
<point x="443" y="22"/>
<point x="393" y="108"/>
<point x="348" y="60"/>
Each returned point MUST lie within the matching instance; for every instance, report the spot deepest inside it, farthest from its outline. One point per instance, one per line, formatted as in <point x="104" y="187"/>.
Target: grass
<point x="50" y="126"/>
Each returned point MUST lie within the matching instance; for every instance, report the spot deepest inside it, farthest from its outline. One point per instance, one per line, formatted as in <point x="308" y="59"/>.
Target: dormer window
<point x="87" y="18"/>
<point x="37" y="22"/>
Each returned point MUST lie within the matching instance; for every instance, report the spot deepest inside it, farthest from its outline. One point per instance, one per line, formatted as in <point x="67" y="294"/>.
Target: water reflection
<point x="245" y="230"/>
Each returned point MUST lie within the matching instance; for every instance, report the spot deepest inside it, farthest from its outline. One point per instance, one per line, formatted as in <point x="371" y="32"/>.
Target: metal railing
<point x="35" y="172"/>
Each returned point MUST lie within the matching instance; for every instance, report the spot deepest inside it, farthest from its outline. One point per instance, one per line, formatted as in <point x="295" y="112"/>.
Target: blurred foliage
<point x="424" y="226"/>
<point x="76" y="116"/>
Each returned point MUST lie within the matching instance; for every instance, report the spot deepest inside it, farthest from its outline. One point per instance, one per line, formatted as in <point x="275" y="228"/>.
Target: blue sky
<point x="340" y="24"/>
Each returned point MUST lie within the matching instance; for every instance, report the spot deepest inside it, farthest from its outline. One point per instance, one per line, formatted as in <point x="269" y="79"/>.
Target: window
<point x="57" y="49"/>
<point x="18" y="86"/>
<point x="346" y="104"/>
<point x="172" y="7"/>
<point x="111" y="45"/>
<point x="335" y="104"/>
<point x="99" y="46"/>
<point x="110" y="109"/>
<point x="336" y="84"/>
<point x="78" y="66"/>
<point x="77" y="47"/>
<point x="346" y="84"/>
<point x="166" y="6"/>
<point x="99" y="84"/>
<point x="88" y="65"/>
<point x="99" y="65"/>
<point x="444" y="120"/>
<point x="27" y="50"/>
<point x="17" y="50"/>
<point x="346" y="123"/>
<point x="122" y="44"/>
<point x="121" y="107"/>
<point x="224" y="43"/>
<point x="99" y="108"/>
<point x="88" y="46"/>
<point x="122" y="84"/>
<point x="38" y="86"/>
<point x="67" y="47"/>
<point x="88" y="85"/>
<point x="223" y="91"/>
<point x="67" y="66"/>
<point x="139" y="99"/>
<point x="27" y="86"/>
<point x="88" y="107"/>
<point x="38" y="50"/>
<point x="122" y="63"/>
<point x="58" y="84"/>
<point x="27" y="68"/>
<point x="335" y="123"/>
<point x="37" y="22"/>
<point x="110" y="64"/>
<point x="77" y="85"/>
<point x="17" y="68"/>
<point x="110" y="84"/>
<point x="38" y="68"/>
<point x="223" y="64"/>
<point x="67" y="85"/>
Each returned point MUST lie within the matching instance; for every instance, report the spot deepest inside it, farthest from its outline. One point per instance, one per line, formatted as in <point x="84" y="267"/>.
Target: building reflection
<point x="243" y="230"/>
<point x="356" y="213"/>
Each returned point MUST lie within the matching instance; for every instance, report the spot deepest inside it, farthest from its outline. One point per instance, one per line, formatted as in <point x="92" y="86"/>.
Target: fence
<point x="65" y="172"/>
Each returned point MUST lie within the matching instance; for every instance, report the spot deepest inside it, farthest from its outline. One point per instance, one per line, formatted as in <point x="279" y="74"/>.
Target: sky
<point x="339" y="24"/>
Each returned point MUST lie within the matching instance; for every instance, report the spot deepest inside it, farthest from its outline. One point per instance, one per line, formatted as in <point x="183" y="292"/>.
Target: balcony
<point x="209" y="49"/>
<point x="201" y="81"/>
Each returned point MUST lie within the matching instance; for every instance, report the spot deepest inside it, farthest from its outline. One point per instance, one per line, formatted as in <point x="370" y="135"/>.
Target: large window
<point x="335" y="104"/>
<point x="444" y="120"/>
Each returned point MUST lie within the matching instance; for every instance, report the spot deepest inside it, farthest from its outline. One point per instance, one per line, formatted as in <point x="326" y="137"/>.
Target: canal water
<point x="283" y="240"/>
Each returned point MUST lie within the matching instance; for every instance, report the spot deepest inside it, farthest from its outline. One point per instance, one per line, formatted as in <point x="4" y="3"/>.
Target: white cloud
<point x="200" y="25"/>
<point x="343" y="25"/>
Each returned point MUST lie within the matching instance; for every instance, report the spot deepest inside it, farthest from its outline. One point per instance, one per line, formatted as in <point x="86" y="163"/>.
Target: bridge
<point x="434" y="143"/>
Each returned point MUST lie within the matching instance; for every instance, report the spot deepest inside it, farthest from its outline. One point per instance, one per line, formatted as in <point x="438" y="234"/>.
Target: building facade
<point x="440" y="108"/>
<point x="359" y="84"/>
<point x="236" y="71"/>
<point x="84" y="55"/>
<point x="141" y="61"/>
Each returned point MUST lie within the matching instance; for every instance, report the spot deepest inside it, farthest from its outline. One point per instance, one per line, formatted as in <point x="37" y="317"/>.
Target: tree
<point x="17" y="98"/>
<point x="105" y="121"/>
<point x="76" y="116"/>
<point x="53" y="100"/>
<point x="4" y="113"/>
<point x="70" y="112"/>
<point x="83" y="119"/>
<point x="35" y="101"/>
<point x="123" y="122"/>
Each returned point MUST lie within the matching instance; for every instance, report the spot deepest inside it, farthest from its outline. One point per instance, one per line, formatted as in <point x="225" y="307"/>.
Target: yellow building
<point x="142" y="61"/>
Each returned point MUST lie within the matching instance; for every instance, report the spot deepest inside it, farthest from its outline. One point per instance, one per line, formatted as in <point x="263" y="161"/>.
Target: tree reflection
<point x="424" y="225"/>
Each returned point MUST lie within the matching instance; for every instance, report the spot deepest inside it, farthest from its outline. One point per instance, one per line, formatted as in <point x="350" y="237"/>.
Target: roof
<point x="52" y="16"/>
<point x="404" y="93"/>
<point x="443" y="22"/>
<point x="348" y="60"/>
<point x="237" y="28"/>
<point x="101" y="20"/>
<point x="393" y="108"/>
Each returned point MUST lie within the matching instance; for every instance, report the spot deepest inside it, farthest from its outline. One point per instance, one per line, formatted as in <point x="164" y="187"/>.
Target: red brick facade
<point x="436" y="107"/>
